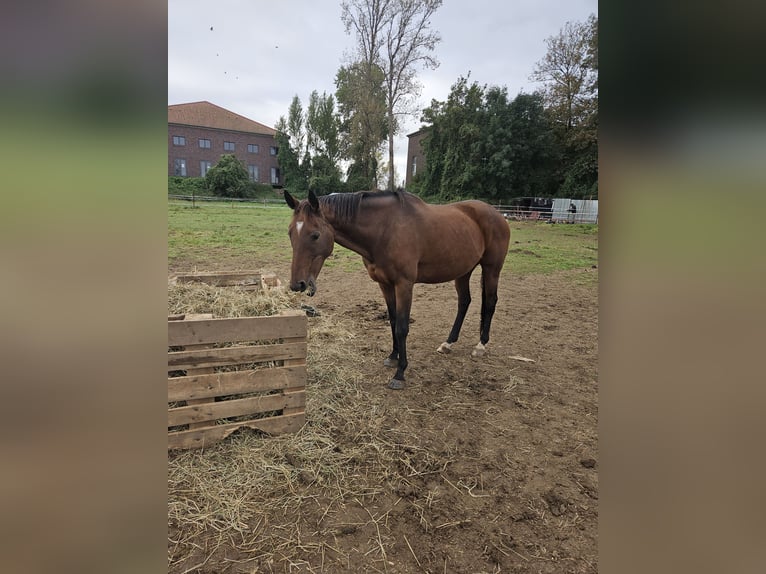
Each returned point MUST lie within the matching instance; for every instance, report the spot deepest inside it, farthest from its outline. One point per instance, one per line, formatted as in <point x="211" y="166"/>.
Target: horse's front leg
<point x="403" y="292"/>
<point x="389" y="294"/>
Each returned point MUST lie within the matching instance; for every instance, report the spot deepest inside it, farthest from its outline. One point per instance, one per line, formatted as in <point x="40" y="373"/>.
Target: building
<point x="416" y="160"/>
<point x="199" y="133"/>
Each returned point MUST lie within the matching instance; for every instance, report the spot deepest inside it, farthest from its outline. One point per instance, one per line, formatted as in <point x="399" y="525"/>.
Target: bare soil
<point x="503" y="454"/>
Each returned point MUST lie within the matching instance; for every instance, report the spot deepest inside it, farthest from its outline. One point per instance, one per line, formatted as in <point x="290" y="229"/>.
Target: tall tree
<point x="395" y="35"/>
<point x="294" y="177"/>
<point x="569" y="73"/>
<point x="323" y="126"/>
<point x="564" y="70"/>
<point x="453" y="145"/>
<point x="295" y="121"/>
<point x="480" y="144"/>
<point x="362" y="107"/>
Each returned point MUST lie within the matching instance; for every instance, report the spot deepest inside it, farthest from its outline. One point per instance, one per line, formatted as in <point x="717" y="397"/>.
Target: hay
<point x="228" y="301"/>
<point x="246" y="501"/>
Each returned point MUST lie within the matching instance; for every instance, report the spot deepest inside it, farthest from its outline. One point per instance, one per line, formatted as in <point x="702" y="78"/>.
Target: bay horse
<point x="403" y="241"/>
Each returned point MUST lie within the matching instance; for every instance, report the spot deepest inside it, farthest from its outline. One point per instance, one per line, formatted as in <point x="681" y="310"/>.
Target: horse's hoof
<point x="478" y="351"/>
<point x="444" y="348"/>
<point x="389" y="362"/>
<point x="396" y="384"/>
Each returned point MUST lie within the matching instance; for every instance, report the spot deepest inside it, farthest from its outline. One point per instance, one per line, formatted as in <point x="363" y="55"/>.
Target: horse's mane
<point x="345" y="206"/>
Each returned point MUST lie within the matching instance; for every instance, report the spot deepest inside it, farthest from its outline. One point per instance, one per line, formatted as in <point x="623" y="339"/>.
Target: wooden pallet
<point x="249" y="280"/>
<point x="256" y="381"/>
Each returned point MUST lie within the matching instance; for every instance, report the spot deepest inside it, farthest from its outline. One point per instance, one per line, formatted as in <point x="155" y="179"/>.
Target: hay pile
<point x="252" y="504"/>
<point x="228" y="301"/>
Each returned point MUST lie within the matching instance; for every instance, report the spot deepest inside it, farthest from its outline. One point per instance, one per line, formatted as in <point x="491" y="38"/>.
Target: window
<point x="252" y="148"/>
<point x="273" y="150"/>
<point x="204" y="144"/>
<point x="179" y="140"/>
<point x="228" y="146"/>
<point x="180" y="167"/>
<point x="204" y="166"/>
<point x="253" y="171"/>
<point x="414" y="165"/>
<point x="275" y="175"/>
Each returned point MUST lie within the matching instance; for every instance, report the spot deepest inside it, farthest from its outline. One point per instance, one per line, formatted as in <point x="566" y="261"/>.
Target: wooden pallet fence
<point x="228" y="374"/>
<point x="248" y="280"/>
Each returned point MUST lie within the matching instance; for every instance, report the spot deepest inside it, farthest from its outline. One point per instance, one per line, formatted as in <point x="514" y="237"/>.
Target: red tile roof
<point x="209" y="115"/>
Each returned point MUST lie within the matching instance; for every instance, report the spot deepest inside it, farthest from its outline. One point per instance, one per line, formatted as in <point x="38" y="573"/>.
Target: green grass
<point x="214" y="232"/>
<point x="542" y="248"/>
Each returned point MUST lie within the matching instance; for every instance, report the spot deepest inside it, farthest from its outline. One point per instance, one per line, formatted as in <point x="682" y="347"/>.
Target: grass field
<point x="214" y="232"/>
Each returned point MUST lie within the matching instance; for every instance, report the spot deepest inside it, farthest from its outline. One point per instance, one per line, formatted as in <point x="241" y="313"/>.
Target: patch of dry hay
<point x="252" y="502"/>
<point x="228" y="301"/>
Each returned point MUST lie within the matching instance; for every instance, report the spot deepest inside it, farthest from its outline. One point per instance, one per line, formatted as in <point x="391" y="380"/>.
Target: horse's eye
<point x="315" y="235"/>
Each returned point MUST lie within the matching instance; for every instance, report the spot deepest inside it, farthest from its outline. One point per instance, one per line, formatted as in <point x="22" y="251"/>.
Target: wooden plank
<point x="222" y="278"/>
<point x="296" y="362"/>
<point x="202" y="371"/>
<point x="183" y="360"/>
<point x="235" y="408"/>
<point x="182" y="333"/>
<point x="206" y="437"/>
<point x="235" y="382"/>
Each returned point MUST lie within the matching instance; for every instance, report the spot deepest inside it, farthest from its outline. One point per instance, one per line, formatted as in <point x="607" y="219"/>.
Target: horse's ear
<point x="314" y="201"/>
<point x="290" y="200"/>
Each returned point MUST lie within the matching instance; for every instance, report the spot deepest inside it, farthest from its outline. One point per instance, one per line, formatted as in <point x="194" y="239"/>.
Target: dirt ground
<point x="504" y="453"/>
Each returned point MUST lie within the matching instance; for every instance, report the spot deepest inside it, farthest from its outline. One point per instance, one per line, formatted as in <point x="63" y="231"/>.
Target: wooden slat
<point x="235" y="382"/>
<point x="182" y="360"/>
<point x="220" y="278"/>
<point x="182" y="333"/>
<point x="201" y="371"/>
<point x="295" y="362"/>
<point x="235" y="408"/>
<point x="206" y="437"/>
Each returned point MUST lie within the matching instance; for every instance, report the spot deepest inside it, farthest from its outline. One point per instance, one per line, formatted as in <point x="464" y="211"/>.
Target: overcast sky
<point x="259" y="54"/>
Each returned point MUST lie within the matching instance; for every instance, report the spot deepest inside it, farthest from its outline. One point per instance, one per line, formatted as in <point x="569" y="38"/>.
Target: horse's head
<point x="312" y="239"/>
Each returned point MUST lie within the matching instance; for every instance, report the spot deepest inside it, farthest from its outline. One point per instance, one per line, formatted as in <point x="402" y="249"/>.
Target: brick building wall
<point x="416" y="160"/>
<point x="193" y="154"/>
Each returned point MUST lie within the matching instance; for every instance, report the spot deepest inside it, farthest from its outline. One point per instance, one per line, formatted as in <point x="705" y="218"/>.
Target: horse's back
<point x="494" y="227"/>
<point x="455" y="237"/>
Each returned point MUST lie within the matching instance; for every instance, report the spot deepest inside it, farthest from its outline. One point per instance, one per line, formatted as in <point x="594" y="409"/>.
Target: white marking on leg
<point x="444" y="348"/>
<point x="478" y="350"/>
<point x="298" y="225"/>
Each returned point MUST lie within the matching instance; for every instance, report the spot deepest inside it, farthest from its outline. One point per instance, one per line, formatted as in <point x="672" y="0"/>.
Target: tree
<point x="309" y="146"/>
<point x="564" y="71"/>
<point x="228" y="178"/>
<point x="295" y="179"/>
<point x="394" y="35"/>
<point x="482" y="145"/>
<point x="362" y="108"/>
<point x="295" y="125"/>
<point x="323" y="127"/>
<point x="452" y="147"/>
<point x="569" y="72"/>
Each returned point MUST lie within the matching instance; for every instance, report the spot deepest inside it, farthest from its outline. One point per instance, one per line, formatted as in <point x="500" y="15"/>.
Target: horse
<point x="403" y="240"/>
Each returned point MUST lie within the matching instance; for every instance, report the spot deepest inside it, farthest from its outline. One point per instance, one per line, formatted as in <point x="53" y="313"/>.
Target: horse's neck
<point x="353" y="235"/>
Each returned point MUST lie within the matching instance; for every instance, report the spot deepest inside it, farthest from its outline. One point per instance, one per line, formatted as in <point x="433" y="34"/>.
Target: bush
<point x="187" y="186"/>
<point x="228" y="178"/>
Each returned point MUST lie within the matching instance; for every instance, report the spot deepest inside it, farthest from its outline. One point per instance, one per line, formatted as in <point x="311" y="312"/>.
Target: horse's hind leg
<point x="489" y="280"/>
<point x="463" y="288"/>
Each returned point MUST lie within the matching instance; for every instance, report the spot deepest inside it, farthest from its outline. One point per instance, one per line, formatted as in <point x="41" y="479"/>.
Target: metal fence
<point x="553" y="210"/>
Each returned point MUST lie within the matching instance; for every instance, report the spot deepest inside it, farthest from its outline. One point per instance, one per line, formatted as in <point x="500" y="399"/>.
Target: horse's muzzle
<point x="302" y="286"/>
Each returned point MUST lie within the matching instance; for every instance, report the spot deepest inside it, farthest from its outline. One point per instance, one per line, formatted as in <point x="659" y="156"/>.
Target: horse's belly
<point x="444" y="271"/>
